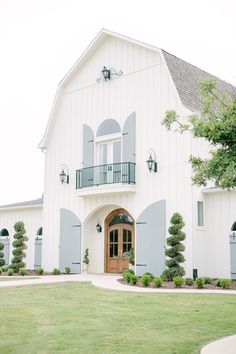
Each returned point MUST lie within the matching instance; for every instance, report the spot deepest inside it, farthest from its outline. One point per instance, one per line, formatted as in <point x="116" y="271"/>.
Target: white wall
<point x="33" y="220"/>
<point x="146" y="88"/>
<point x="214" y="247"/>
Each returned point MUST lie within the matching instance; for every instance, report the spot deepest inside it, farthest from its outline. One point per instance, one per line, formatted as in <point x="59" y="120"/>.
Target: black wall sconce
<point x="106" y="74"/>
<point x="151" y="162"/>
<point x="98" y="226"/>
<point x="64" y="177"/>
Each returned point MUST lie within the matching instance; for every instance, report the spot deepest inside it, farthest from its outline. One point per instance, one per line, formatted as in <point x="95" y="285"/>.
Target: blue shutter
<point x="88" y="156"/>
<point x="70" y="242"/>
<point x="150" y="239"/>
<point x="129" y="139"/>
<point x="38" y="253"/>
<point x="233" y="255"/>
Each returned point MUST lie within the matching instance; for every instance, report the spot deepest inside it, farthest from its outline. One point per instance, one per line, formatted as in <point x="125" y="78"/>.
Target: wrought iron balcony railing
<point x="106" y="174"/>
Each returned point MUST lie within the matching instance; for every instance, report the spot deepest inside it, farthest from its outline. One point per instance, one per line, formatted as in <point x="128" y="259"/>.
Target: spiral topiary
<point x="19" y="247"/>
<point x="2" y="261"/>
<point x="176" y="247"/>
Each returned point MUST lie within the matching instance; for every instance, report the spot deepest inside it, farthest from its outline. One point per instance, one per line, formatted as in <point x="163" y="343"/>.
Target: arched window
<point x="108" y="126"/>
<point x="233" y="228"/>
<point x="121" y="218"/>
<point x="40" y="231"/>
<point x="4" y="233"/>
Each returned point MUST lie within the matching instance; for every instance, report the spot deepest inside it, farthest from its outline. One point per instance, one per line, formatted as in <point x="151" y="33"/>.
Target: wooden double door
<point x="120" y="240"/>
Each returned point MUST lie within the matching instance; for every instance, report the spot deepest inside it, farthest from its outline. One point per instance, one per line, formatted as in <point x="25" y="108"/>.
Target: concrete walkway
<point x="105" y="281"/>
<point x="226" y="345"/>
<point x="223" y="346"/>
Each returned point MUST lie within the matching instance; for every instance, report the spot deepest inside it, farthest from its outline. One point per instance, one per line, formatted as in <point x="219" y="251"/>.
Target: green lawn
<point x="77" y="318"/>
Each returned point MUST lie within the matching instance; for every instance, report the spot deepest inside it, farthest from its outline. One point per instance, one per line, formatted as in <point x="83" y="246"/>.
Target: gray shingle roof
<point x="186" y="78"/>
<point x="24" y="204"/>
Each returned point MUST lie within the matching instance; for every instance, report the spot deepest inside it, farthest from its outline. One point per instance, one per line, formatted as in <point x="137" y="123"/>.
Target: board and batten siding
<point x="33" y="220"/>
<point x="144" y="88"/>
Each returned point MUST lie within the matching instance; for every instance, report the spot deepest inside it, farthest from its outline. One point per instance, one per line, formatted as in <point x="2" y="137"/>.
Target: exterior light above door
<point x="106" y="74"/>
<point x="64" y="177"/>
<point x="151" y="162"/>
<point x="99" y="227"/>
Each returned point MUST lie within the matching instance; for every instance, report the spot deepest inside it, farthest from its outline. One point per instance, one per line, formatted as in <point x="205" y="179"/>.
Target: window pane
<point x="111" y="236"/>
<point x="129" y="246"/>
<point x="116" y="236"/>
<point x="124" y="236"/>
<point x="129" y="236"/>
<point x="200" y="221"/>
<point x="115" y="250"/>
<point x="125" y="248"/>
<point x="111" y="250"/>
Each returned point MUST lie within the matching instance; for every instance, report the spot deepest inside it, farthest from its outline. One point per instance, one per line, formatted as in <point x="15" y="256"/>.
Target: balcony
<point x="103" y="179"/>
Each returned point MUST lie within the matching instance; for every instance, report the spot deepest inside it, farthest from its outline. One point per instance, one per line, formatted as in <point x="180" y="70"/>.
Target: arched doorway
<point x="119" y="239"/>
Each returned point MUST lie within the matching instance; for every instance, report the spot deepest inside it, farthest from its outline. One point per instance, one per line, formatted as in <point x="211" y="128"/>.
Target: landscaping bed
<point x="149" y="281"/>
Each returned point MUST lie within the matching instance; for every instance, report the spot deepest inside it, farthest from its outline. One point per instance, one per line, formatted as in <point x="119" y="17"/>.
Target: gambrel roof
<point x="185" y="77"/>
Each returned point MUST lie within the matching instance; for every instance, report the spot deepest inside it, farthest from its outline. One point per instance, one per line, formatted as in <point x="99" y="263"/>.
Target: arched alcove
<point x="233" y="227"/>
<point x="40" y="231"/>
<point x="4" y="233"/>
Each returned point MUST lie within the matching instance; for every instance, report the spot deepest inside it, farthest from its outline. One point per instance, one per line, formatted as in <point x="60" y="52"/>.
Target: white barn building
<point x="99" y="136"/>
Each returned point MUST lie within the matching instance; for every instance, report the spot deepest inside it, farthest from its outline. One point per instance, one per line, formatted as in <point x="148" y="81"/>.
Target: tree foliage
<point x="19" y="247"/>
<point x="176" y="247"/>
<point x="217" y="125"/>
<point x="2" y="261"/>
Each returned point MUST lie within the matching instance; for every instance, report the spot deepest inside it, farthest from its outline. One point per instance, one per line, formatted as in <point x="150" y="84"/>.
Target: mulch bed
<point x="170" y="285"/>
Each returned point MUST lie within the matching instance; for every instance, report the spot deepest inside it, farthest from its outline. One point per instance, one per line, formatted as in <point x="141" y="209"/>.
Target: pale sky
<point x="41" y="39"/>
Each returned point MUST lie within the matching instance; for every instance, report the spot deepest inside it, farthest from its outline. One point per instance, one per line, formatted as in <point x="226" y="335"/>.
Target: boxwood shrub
<point x="189" y="281"/>
<point x="133" y="279"/>
<point x="146" y="279"/>
<point x="178" y="281"/>
<point x="200" y="283"/>
<point x="158" y="282"/>
<point x="39" y="271"/>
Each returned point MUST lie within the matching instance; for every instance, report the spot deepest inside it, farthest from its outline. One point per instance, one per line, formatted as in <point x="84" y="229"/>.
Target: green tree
<point x="217" y="125"/>
<point x="19" y="247"/>
<point x="176" y="247"/>
<point x="2" y="261"/>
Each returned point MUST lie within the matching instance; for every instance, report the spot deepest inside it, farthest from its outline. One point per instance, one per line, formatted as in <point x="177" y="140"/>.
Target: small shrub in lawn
<point x="22" y="271"/>
<point x="218" y="282"/>
<point x="67" y="269"/>
<point x="10" y="272"/>
<point x="225" y="283"/>
<point x="39" y="271"/>
<point x="200" y="283"/>
<point x="133" y="279"/>
<point x="151" y="275"/>
<point x="0" y="270"/>
<point x="158" y="282"/>
<point x="178" y="281"/>
<point x="189" y="281"/>
<point x="56" y="271"/>
<point x="146" y="279"/>
<point x="207" y="280"/>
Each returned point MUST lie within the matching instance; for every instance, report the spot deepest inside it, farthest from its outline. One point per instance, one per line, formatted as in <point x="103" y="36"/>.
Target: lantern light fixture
<point x="106" y="74"/>
<point x="64" y="176"/>
<point x="151" y="162"/>
<point x="98" y="226"/>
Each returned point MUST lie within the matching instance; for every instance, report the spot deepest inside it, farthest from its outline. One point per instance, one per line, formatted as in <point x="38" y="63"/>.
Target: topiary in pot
<point x="19" y="247"/>
<point x="175" y="248"/>
<point x="2" y="261"/>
